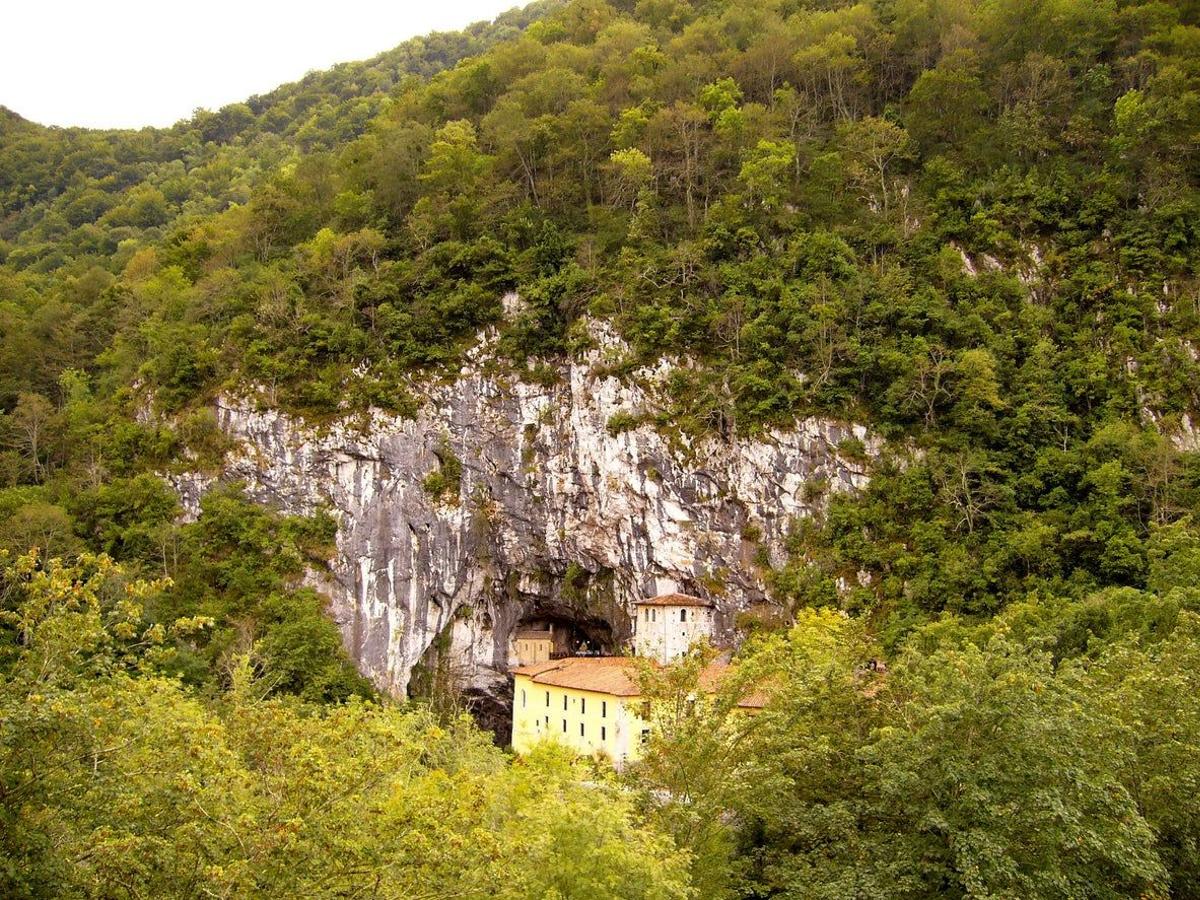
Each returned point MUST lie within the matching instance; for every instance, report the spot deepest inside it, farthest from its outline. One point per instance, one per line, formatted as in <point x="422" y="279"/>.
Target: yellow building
<point x="586" y="703"/>
<point x="534" y="646"/>
<point x="589" y="704"/>
<point x="592" y="704"/>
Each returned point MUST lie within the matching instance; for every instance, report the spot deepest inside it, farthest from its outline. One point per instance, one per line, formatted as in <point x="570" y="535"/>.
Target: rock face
<point x="553" y="516"/>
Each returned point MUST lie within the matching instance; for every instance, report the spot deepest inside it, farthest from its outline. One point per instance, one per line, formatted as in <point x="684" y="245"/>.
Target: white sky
<point x="129" y="63"/>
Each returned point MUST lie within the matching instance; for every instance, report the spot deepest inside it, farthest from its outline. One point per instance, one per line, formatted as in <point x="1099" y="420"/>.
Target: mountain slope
<point x="974" y="233"/>
<point x="58" y="186"/>
<point x="876" y="322"/>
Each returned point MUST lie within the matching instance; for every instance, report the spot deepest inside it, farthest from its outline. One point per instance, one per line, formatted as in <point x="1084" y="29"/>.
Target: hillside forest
<point x="972" y="226"/>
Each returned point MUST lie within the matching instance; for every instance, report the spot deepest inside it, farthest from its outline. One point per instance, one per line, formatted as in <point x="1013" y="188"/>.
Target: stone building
<point x="667" y="626"/>
<point x="534" y="646"/>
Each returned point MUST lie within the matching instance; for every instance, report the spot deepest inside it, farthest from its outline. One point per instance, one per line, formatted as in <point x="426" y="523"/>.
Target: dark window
<point x="582" y="705"/>
<point x="683" y="615"/>
<point x="522" y="698"/>
<point x="564" y="702"/>
<point x="547" y="698"/>
<point x="645" y="735"/>
<point x="581" y="729"/>
<point x="547" y="721"/>
<point x="603" y="733"/>
<point x="564" y="726"/>
<point x="654" y="615"/>
<point x="604" y="709"/>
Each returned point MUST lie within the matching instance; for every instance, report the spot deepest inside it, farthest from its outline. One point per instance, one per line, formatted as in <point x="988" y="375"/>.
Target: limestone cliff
<point x="553" y="515"/>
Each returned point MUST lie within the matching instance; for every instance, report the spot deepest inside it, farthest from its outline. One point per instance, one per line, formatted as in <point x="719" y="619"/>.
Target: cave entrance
<point x="540" y="637"/>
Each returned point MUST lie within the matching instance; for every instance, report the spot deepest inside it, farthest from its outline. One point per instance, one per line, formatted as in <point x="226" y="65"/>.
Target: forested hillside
<point x="972" y="226"/>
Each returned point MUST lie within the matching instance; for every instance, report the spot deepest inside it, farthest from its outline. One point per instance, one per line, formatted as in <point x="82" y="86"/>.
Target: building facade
<point x="588" y="704"/>
<point x="534" y="646"/>
<point x="592" y="705"/>
<point x="667" y="626"/>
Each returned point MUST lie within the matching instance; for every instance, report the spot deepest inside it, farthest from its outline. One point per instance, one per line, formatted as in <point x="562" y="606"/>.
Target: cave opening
<point x="540" y="635"/>
<point x="545" y="635"/>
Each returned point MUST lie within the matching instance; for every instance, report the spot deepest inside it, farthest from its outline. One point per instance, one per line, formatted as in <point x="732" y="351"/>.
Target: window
<point x="581" y="729"/>
<point x="547" y="723"/>
<point x="522" y="698"/>
<point x="603" y="733"/>
<point x="646" y="615"/>
<point x="564" y="702"/>
<point x="645" y="735"/>
<point x="564" y="726"/>
<point x="654" y="615"/>
<point x="604" y="709"/>
<point x="683" y="615"/>
<point x="547" y="698"/>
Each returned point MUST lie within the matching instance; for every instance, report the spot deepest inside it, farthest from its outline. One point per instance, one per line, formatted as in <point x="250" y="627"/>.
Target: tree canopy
<point x="972" y="226"/>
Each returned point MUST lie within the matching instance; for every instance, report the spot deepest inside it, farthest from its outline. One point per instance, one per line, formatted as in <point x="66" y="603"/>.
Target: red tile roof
<point x="617" y="676"/>
<point x="710" y="680"/>
<point x="753" y="700"/>
<point x="675" y="599"/>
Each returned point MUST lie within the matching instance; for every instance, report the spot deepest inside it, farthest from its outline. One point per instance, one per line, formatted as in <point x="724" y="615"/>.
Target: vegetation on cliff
<point x="973" y="225"/>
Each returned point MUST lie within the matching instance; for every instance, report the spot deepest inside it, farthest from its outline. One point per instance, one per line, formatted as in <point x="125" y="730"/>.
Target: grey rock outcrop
<point x="554" y="515"/>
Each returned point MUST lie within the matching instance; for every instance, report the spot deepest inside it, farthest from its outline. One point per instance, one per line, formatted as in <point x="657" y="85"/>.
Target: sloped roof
<point x="753" y="700"/>
<point x="714" y="673"/>
<point x="617" y="676"/>
<point x="533" y="634"/>
<point x="674" y="599"/>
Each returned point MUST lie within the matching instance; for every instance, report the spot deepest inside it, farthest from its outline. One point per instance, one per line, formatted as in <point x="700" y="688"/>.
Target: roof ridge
<point x="663" y="598"/>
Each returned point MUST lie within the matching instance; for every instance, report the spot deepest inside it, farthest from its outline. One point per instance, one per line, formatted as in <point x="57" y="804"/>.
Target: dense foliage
<point x="971" y="225"/>
<point x="79" y="209"/>
<point x="118" y="782"/>
<point x="1053" y="751"/>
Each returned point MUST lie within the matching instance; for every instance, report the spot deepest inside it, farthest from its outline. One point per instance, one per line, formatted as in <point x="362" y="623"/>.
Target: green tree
<point x="919" y="796"/>
<point x="118" y="781"/>
<point x="766" y="171"/>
